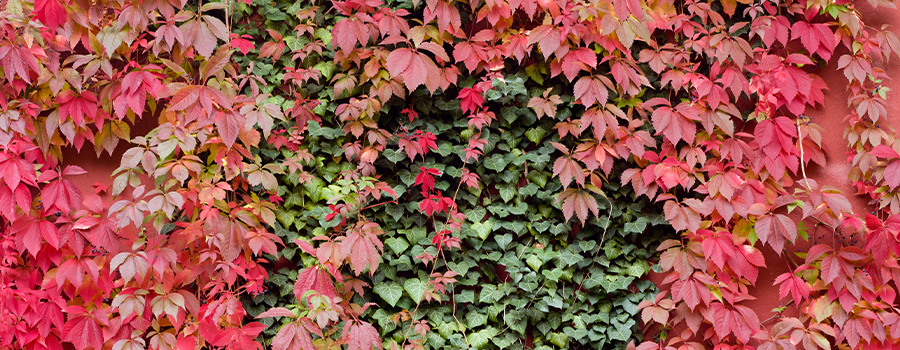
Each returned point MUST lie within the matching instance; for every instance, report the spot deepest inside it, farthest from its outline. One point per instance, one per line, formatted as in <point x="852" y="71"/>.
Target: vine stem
<point x="802" y="166"/>
<point x="433" y="269"/>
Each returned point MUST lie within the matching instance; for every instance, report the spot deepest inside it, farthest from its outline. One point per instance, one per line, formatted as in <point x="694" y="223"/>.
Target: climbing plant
<point x="441" y="174"/>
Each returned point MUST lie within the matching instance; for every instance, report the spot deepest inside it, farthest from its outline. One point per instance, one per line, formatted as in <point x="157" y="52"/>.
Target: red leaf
<point x="242" y="43"/>
<point x="292" y="336"/>
<point x="719" y="248"/>
<point x="63" y="195"/>
<point x="579" y="202"/>
<point x="316" y="279"/>
<point x="601" y="119"/>
<point x="776" y="230"/>
<point x="577" y="60"/>
<point x="470" y="100"/>
<point x="76" y="106"/>
<point x="50" y="12"/>
<point x="28" y="232"/>
<point x="883" y="151"/>
<point x="350" y="31"/>
<point x="361" y="336"/>
<point x="567" y="168"/>
<point x="547" y="37"/>
<point x="816" y="38"/>
<point x="740" y="321"/>
<point x="414" y="67"/>
<point x="676" y="123"/>
<point x="426" y="178"/>
<point x="362" y="246"/>
<point x="83" y="329"/>
<point x="796" y="286"/>
<point x="277" y="312"/>
<point x="591" y="90"/>
<point x="681" y="217"/>
<point x="229" y="125"/>
<point x="692" y="291"/>
<point x="892" y="174"/>
<point x="880" y="241"/>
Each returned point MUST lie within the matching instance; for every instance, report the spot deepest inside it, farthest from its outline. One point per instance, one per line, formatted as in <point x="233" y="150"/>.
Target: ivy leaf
<point x="483" y="229"/>
<point x="569" y="258"/>
<point x="534" y="262"/>
<point x="507" y="192"/>
<point x="416" y="288"/>
<point x="553" y="275"/>
<point x="389" y="291"/>
<point x="397" y="244"/>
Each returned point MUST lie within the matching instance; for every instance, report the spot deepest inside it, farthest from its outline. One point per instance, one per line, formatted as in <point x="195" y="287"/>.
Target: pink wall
<point x="831" y="118"/>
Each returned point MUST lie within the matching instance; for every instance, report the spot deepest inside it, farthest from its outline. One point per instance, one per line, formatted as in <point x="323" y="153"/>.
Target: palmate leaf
<point x="50" y="12"/>
<point x="292" y="336"/>
<point x="576" y="201"/>
<point x="362" y="246"/>
<point x="776" y="230"/>
<point x="414" y="67"/>
<point x="361" y="336"/>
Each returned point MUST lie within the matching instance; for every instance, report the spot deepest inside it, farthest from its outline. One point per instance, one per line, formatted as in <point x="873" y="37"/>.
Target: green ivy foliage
<point x="526" y="276"/>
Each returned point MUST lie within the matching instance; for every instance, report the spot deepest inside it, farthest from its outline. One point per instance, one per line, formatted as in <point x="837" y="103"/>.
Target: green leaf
<point x="326" y="67"/>
<point x="503" y="240"/>
<point x="570" y="258"/>
<point x="536" y="135"/>
<point x="534" y="262"/>
<point x="483" y="229"/>
<point x="507" y="192"/>
<point x="559" y="339"/>
<point x="620" y="331"/>
<point x="286" y="217"/>
<point x="489" y="294"/>
<point x="553" y="275"/>
<point x="481" y="338"/>
<point x="416" y="288"/>
<point x="593" y="280"/>
<point x="535" y="74"/>
<point x="466" y="296"/>
<point x="475" y="319"/>
<point x="638" y="268"/>
<point x="397" y="244"/>
<point x="637" y="226"/>
<point x="391" y="292"/>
